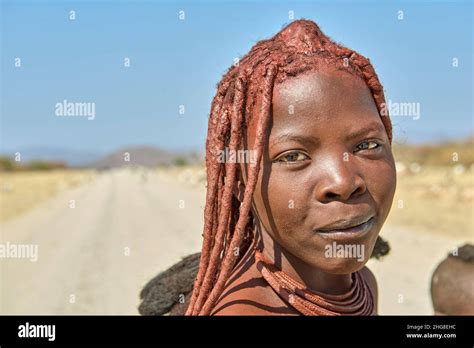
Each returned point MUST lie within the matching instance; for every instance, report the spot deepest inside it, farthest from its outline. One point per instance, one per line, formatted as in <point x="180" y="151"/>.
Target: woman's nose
<point x="338" y="180"/>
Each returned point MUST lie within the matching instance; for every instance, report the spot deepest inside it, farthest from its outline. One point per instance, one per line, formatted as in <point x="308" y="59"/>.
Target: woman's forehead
<point x="323" y="88"/>
<point x="327" y="102"/>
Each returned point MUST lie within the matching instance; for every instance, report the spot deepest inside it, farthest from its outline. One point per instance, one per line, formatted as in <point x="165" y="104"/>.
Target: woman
<point x="290" y="233"/>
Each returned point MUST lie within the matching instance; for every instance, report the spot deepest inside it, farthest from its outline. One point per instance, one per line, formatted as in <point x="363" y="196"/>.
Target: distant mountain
<point x="73" y="158"/>
<point x="146" y="156"/>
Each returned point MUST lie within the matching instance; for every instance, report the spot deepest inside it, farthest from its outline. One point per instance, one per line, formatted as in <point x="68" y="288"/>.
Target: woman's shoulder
<point x="238" y="293"/>
<point x="247" y="293"/>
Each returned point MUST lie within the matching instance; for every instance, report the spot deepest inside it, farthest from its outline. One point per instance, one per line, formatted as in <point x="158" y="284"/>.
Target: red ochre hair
<point x="299" y="47"/>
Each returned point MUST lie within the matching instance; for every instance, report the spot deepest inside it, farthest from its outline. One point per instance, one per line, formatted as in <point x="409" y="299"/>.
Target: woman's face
<point x="328" y="167"/>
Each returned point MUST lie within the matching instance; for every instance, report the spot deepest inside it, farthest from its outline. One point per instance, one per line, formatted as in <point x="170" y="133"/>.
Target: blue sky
<point x="178" y="62"/>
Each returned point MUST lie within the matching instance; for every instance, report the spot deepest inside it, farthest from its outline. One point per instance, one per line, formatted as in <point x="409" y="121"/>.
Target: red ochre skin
<point x="324" y="174"/>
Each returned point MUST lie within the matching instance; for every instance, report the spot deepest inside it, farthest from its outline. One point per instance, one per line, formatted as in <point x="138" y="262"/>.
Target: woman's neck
<point x="313" y="278"/>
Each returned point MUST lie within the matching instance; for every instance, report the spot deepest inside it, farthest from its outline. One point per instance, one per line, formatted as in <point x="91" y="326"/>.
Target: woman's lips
<point x="353" y="232"/>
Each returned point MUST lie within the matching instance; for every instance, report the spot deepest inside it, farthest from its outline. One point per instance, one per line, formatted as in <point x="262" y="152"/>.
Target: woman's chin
<point x="341" y="265"/>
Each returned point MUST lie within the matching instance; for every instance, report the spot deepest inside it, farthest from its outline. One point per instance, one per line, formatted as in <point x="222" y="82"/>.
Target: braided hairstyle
<point x="228" y="223"/>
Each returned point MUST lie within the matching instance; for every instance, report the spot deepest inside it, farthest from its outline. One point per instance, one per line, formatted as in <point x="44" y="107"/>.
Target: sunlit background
<point x="114" y="196"/>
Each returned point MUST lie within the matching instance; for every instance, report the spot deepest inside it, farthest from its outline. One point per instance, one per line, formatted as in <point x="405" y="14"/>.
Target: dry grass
<point x="21" y="191"/>
<point x="435" y="199"/>
<point x="194" y="175"/>
<point x="444" y="153"/>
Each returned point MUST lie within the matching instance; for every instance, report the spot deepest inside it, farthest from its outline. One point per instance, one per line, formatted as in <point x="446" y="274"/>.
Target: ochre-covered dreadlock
<point x="297" y="48"/>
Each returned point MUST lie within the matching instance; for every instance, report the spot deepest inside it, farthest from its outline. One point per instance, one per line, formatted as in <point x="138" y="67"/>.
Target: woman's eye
<point x="368" y="145"/>
<point x="293" y="157"/>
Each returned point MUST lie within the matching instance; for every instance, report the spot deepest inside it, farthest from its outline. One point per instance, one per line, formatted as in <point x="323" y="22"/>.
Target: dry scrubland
<point x="21" y="191"/>
<point x="435" y="199"/>
<point x="435" y="191"/>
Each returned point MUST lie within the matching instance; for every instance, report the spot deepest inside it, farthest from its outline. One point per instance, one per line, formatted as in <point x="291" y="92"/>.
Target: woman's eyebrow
<point x="293" y="137"/>
<point x="371" y="128"/>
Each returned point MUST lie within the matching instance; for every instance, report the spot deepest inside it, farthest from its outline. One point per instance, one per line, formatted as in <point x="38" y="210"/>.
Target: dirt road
<point x="94" y="258"/>
<point x="100" y="243"/>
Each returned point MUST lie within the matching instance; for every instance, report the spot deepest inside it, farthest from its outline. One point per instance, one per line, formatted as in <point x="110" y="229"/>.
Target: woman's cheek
<point x="274" y="203"/>
<point x="286" y="204"/>
<point x="381" y="185"/>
